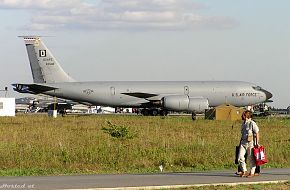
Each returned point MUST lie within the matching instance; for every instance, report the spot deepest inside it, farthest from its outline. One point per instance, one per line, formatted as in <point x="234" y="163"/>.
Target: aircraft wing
<point x="147" y="99"/>
<point x="140" y="95"/>
<point x="32" y="88"/>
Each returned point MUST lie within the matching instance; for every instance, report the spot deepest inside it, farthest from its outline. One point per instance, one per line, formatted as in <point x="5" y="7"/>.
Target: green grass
<point x="38" y="145"/>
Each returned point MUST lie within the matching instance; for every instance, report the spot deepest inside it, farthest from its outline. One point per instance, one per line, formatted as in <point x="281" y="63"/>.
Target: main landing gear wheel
<point x="154" y="112"/>
<point x="145" y="112"/>
<point x="163" y="112"/>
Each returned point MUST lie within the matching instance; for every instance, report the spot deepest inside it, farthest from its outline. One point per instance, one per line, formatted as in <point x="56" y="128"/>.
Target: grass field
<point x="38" y="145"/>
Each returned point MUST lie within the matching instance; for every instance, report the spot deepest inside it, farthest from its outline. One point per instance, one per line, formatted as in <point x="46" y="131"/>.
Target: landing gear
<point x="145" y="112"/>
<point x="193" y="116"/>
<point x="163" y="112"/>
<point x="154" y="112"/>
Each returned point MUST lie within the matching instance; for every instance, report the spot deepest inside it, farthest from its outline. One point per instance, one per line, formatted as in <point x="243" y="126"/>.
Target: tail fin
<point x="44" y="67"/>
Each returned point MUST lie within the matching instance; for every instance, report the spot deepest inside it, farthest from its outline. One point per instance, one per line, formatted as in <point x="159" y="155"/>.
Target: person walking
<point x="249" y="133"/>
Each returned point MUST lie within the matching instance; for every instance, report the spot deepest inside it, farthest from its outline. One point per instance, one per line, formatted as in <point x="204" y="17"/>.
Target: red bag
<point x="260" y="155"/>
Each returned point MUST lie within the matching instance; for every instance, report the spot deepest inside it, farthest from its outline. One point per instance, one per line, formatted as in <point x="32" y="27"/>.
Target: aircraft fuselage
<point x="127" y="94"/>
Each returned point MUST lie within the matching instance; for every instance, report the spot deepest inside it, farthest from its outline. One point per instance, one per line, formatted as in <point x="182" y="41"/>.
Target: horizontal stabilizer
<point x="32" y="88"/>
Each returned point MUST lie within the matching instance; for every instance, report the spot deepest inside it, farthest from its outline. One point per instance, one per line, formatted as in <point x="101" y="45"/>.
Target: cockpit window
<point x="257" y="87"/>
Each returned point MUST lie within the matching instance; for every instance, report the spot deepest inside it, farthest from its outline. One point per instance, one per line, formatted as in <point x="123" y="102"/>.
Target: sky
<point x="153" y="40"/>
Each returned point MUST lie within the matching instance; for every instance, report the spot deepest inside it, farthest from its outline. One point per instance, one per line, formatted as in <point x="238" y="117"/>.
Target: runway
<point x="144" y="181"/>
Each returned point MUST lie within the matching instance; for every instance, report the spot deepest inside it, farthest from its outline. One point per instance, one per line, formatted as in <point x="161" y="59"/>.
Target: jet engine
<point x="185" y="103"/>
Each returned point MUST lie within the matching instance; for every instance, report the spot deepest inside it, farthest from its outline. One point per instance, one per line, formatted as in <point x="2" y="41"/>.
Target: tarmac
<point x="142" y="181"/>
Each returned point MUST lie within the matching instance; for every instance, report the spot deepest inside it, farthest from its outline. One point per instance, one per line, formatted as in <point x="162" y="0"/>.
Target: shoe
<point x="238" y="173"/>
<point x="256" y="174"/>
<point x="250" y="175"/>
<point x="243" y="174"/>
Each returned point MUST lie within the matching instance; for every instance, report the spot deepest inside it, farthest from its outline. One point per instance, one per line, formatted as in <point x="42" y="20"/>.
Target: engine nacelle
<point x="185" y="103"/>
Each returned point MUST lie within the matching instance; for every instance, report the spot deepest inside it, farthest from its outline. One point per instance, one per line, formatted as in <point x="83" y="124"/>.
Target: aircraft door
<point x="186" y="90"/>
<point x="113" y="91"/>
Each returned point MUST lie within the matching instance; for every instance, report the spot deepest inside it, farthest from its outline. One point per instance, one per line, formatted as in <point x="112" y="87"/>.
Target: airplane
<point x="155" y="97"/>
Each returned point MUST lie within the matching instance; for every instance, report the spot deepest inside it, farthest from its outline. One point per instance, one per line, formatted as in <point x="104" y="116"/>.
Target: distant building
<point x="7" y="106"/>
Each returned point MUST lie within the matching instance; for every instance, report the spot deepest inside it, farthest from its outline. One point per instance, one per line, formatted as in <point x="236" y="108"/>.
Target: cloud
<point x="32" y="4"/>
<point x="115" y="14"/>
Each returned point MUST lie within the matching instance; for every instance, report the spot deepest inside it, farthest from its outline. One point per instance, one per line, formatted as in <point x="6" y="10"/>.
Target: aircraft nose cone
<point x="269" y="95"/>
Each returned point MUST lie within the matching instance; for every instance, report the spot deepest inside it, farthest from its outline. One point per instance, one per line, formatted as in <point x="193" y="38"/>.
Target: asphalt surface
<point x="138" y="180"/>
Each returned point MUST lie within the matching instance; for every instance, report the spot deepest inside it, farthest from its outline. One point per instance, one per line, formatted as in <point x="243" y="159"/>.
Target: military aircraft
<point x="156" y="97"/>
